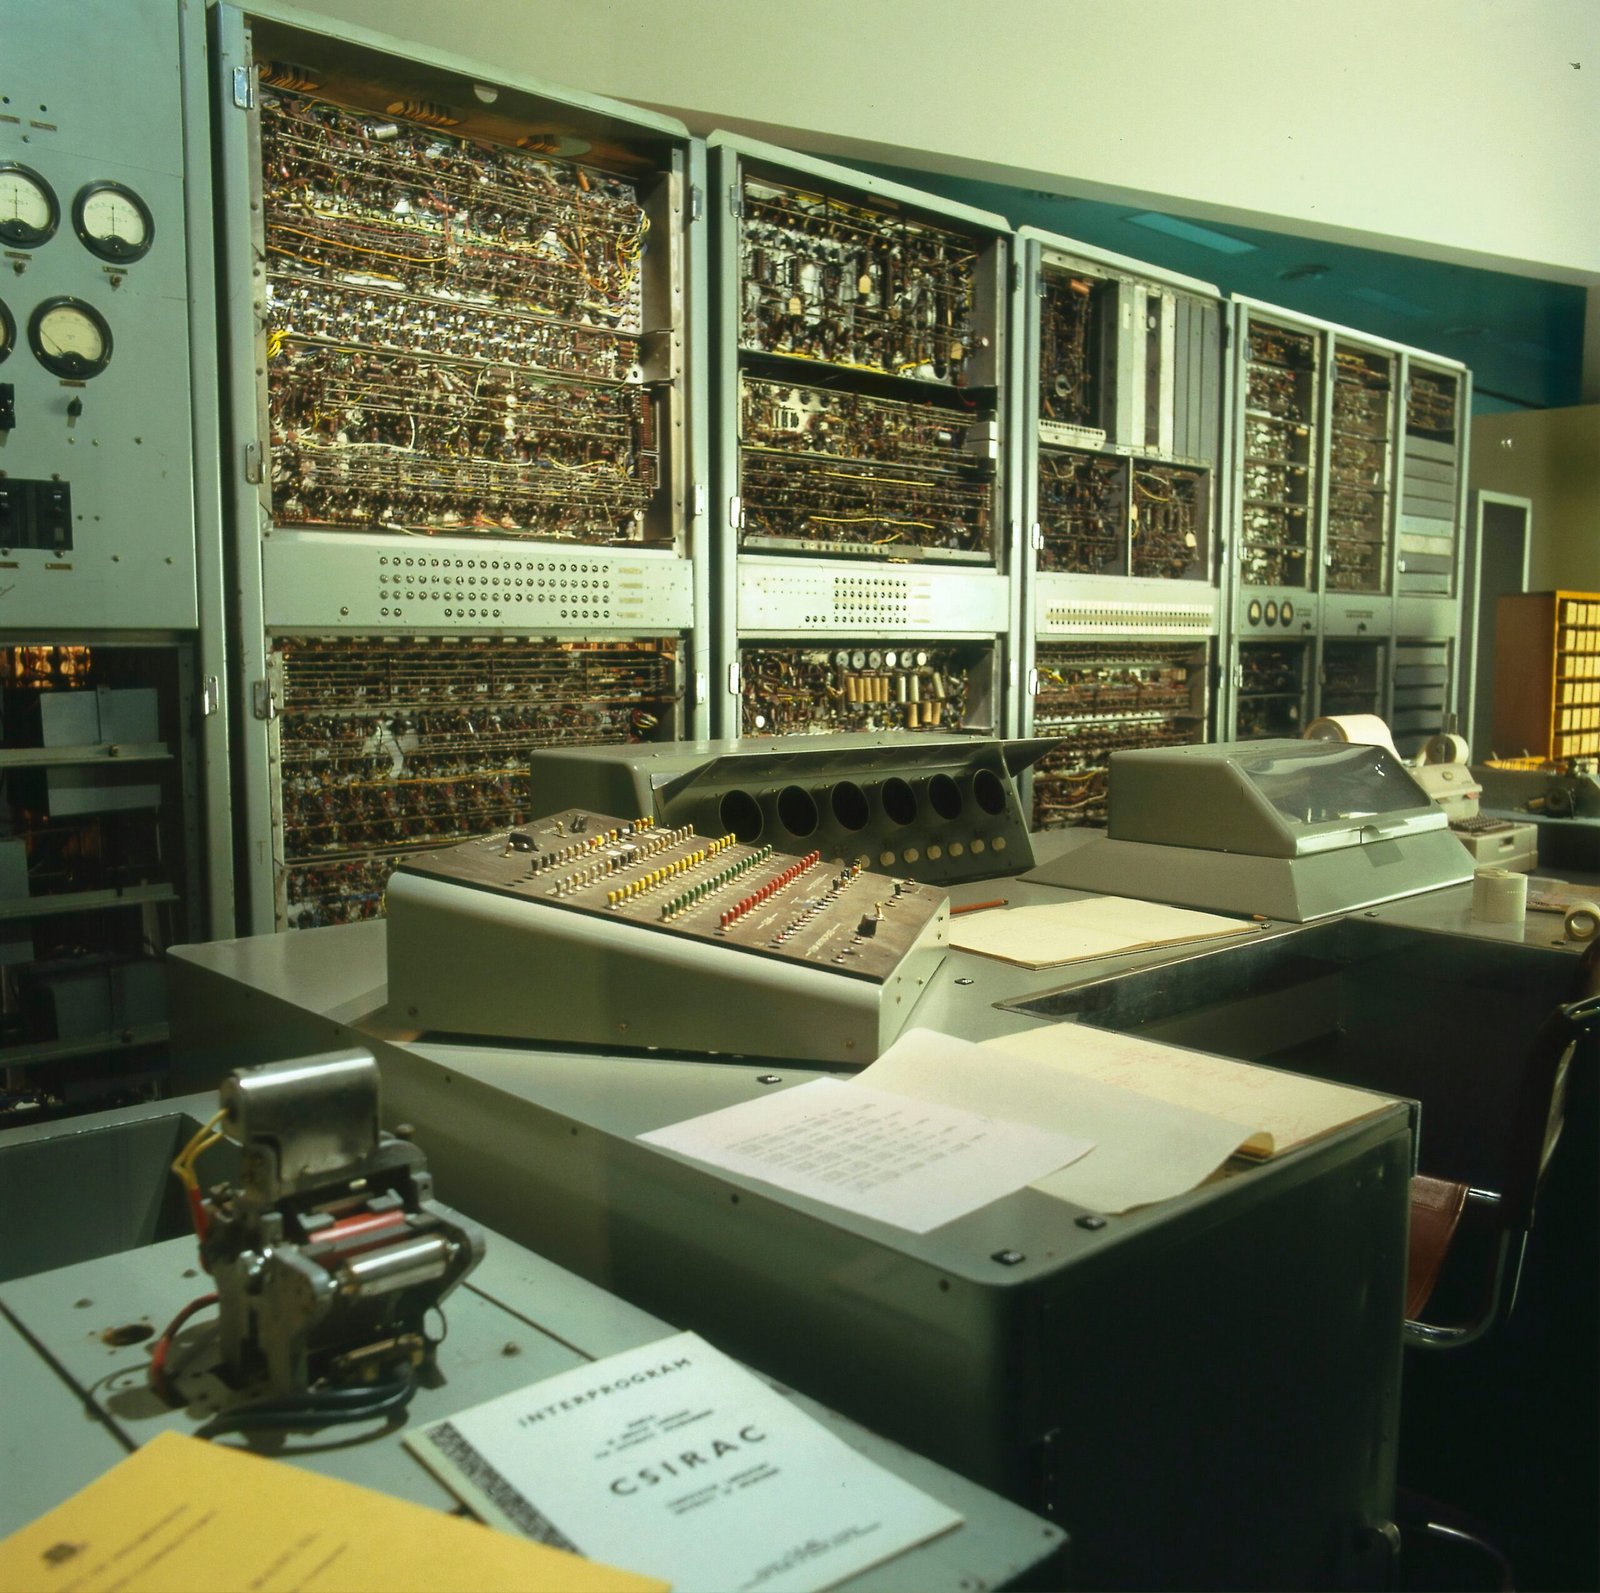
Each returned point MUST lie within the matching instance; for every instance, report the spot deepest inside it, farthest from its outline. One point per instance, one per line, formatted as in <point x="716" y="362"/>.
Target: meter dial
<point x="113" y="222"/>
<point x="70" y="338"/>
<point x="8" y="332"/>
<point x="28" y="208"/>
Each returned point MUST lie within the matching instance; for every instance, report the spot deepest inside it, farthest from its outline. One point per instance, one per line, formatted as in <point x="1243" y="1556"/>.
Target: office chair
<point x="1507" y="1215"/>
<point x="1439" y="1205"/>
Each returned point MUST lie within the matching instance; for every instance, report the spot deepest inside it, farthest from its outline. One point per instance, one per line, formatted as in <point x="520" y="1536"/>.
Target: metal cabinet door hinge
<point x="733" y="680"/>
<point x="264" y="700"/>
<point x="244" y="88"/>
<point x="210" y="696"/>
<point x="697" y="203"/>
<point x="252" y="463"/>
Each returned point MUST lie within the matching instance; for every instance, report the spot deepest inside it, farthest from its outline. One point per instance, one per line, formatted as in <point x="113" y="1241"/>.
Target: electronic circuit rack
<point x="115" y="837"/>
<point x="1120" y="387"/>
<point x="861" y="423"/>
<point x="1346" y="516"/>
<point x="462" y="377"/>
<point x="583" y="928"/>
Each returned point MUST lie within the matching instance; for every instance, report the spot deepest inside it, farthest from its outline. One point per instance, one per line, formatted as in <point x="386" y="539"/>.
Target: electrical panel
<point x="1347" y="516"/>
<point x="1280" y="391"/>
<point x="97" y="490"/>
<point x="1430" y="679"/>
<point x="1353" y="677"/>
<point x="113" y="755"/>
<point x="1272" y="690"/>
<point x="1360" y="449"/>
<point x="1103" y="697"/>
<point x="393" y="745"/>
<point x="862" y="441"/>
<point x="470" y="463"/>
<point x="1430" y="507"/>
<point x="806" y="688"/>
<point x="98" y="860"/>
<point x="1121" y="388"/>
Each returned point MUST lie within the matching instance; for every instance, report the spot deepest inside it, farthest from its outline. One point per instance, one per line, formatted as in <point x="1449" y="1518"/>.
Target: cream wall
<point x="1457" y="129"/>
<point x="1553" y="457"/>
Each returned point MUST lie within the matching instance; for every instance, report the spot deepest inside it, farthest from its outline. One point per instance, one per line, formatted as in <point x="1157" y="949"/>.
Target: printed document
<point x="183" y="1514"/>
<point x="677" y="1460"/>
<point x="914" y="1163"/>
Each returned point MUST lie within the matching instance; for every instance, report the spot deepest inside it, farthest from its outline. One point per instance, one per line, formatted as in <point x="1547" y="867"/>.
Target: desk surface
<point x="518" y="1318"/>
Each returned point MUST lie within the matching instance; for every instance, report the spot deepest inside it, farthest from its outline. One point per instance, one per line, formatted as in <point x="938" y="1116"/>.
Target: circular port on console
<point x="797" y="810"/>
<point x="989" y="791"/>
<point x="849" y="804"/>
<point x="740" y="814"/>
<point x="945" y="795"/>
<point x="899" y="801"/>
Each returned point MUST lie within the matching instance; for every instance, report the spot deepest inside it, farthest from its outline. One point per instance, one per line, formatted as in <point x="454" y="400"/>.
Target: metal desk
<point x="517" y="1319"/>
<point x="1202" y="1393"/>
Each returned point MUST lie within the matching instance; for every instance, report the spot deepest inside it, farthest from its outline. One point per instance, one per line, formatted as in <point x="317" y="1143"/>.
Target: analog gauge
<point x="70" y="338"/>
<point x="8" y="331"/>
<point x="113" y="222"/>
<point x="28" y="208"/>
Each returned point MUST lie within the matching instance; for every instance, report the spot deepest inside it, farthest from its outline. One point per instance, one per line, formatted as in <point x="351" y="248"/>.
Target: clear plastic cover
<point x="1331" y="782"/>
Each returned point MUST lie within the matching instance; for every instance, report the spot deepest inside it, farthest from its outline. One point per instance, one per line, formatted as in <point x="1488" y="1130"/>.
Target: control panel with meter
<point x="97" y="521"/>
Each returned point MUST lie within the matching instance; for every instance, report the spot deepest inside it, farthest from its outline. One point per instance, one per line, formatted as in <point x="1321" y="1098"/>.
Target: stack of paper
<point x="1099" y="926"/>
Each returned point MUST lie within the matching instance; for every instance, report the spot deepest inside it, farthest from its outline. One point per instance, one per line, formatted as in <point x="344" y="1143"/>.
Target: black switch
<point x="52" y="508"/>
<point x="75" y="408"/>
<point x="8" y="406"/>
<point x="13" y="513"/>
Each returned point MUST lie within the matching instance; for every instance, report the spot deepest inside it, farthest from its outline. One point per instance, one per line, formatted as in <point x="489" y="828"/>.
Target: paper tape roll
<point x="1359" y="729"/>
<point x="1499" y="896"/>
<point x="1446" y="749"/>
<point x="1582" y="921"/>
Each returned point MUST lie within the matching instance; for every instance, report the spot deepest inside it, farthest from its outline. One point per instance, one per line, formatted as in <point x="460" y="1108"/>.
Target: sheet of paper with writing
<point x="1144" y="1150"/>
<point x="180" y="1513"/>
<point x="675" y="1457"/>
<point x="1099" y="926"/>
<point x="1281" y="1110"/>
<point x="913" y="1163"/>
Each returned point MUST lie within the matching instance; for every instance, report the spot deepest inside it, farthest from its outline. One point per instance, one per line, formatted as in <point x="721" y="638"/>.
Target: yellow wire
<point x="204" y="1139"/>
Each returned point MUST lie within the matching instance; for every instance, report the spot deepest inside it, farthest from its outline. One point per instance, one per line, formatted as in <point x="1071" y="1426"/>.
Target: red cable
<point x="158" y="1356"/>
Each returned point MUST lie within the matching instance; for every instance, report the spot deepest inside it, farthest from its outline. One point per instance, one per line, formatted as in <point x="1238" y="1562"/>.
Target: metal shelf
<point x="129" y="1039"/>
<point x="25" y="907"/>
<point x="100" y="752"/>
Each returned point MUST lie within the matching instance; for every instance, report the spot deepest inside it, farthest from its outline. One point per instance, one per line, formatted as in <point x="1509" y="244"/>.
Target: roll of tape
<point x="1446" y="749"/>
<point x="1359" y="729"/>
<point x="1582" y="921"/>
<point x="1499" y="896"/>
